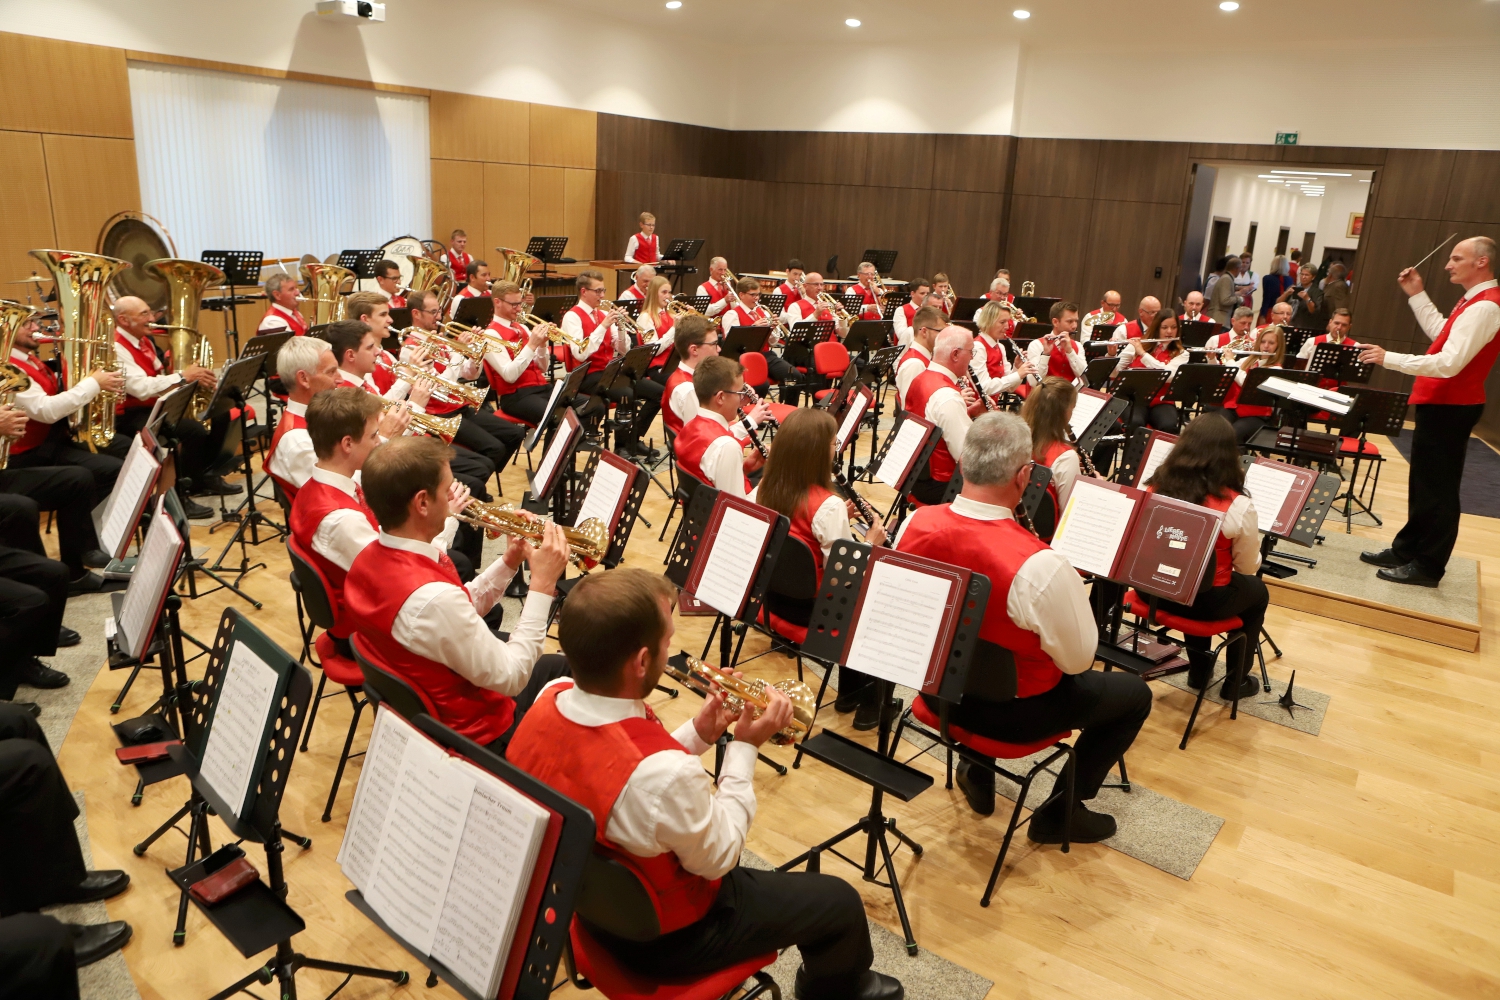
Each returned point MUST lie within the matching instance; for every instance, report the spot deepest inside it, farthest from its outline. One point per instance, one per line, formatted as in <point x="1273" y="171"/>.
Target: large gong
<point x="137" y="237"/>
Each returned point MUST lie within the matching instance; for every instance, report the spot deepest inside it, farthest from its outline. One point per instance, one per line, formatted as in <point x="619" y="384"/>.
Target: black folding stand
<point x="165" y="712"/>
<point x="240" y="267"/>
<point x="237" y="379"/>
<point x="1197" y="387"/>
<point x="1375" y="411"/>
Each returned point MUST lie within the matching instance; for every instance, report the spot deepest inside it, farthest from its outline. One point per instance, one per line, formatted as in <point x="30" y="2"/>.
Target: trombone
<point x="587" y="542"/>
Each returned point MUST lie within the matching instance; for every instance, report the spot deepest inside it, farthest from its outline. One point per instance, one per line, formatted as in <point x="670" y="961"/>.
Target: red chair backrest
<point x="756" y="372"/>
<point x="830" y="358"/>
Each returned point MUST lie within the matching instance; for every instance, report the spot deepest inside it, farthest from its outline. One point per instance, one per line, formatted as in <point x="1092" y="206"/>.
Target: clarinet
<point x="1083" y="458"/>
<point x="754" y="437"/>
<point x="974" y="379"/>
<point x="867" y="513"/>
<point x="754" y="402"/>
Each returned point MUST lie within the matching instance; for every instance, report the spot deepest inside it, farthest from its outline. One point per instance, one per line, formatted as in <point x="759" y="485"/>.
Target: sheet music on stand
<point x="608" y="491"/>
<point x="1308" y="395"/>
<point x="1279" y="491"/>
<point x="729" y="555"/>
<point x="141" y="605"/>
<point x="859" y="404"/>
<point x="552" y="463"/>
<point x="902" y="613"/>
<point x="1092" y="529"/>
<point x="903" y="449"/>
<point x="1158" y="447"/>
<point x="1090" y="402"/>
<point x="239" y="728"/>
<point x="115" y="519"/>
<point x="541" y="427"/>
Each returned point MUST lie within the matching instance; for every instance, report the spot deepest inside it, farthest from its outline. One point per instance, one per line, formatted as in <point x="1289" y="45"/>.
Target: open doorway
<point x="1263" y="209"/>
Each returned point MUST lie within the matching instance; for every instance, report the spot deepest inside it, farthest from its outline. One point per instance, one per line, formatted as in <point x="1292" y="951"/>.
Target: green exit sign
<point x="1286" y="138"/>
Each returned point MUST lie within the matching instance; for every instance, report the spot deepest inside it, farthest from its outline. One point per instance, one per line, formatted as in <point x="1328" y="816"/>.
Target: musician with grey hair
<point x="721" y="295"/>
<point x="1039" y="610"/>
<point x="307" y="367"/>
<point x="281" y="307"/>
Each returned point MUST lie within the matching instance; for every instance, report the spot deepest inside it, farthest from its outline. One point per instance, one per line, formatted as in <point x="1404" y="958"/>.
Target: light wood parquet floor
<point x="1361" y="863"/>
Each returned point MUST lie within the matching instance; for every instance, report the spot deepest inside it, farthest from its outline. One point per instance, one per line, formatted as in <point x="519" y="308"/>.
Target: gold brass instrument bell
<point x="513" y="267"/>
<point x="88" y="330"/>
<point x="428" y="275"/>
<point x="444" y="428"/>
<point x="324" y="283"/>
<point x="586" y="543"/>
<point x="186" y="280"/>
<point x="13" y="316"/>
<point x="742" y="691"/>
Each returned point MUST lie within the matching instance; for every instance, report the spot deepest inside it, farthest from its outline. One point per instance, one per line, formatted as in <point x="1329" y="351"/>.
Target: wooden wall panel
<point x="1380" y="309"/>
<point x="578" y="213"/>
<point x="1046" y="243"/>
<point x="1474" y="191"/>
<point x="26" y="207"/>
<point x="1057" y="167"/>
<point x="90" y="179"/>
<point x="1142" y="171"/>
<point x="563" y="137"/>
<point x="881" y="218"/>
<point x="896" y="160"/>
<point x="1127" y="242"/>
<point x="1236" y="151"/>
<point x="465" y="127"/>
<point x="1413" y="184"/>
<point x="507" y="208"/>
<point x="547" y="201"/>
<point x="972" y="162"/>
<point x="66" y="87"/>
<point x="458" y="200"/>
<point x="1353" y="156"/>
<point x="963" y="239"/>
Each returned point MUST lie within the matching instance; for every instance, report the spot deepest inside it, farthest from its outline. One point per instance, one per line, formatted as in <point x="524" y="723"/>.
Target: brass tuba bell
<point x="513" y="267"/>
<point x="428" y="275"/>
<point x="88" y="329"/>
<point x="186" y="280"/>
<point x="13" y="316"/>
<point x="324" y="282"/>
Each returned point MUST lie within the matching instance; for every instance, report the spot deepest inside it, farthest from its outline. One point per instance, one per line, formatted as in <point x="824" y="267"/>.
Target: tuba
<point x="323" y="284"/>
<point x="13" y="316"/>
<point x="1028" y="289"/>
<point x="513" y="267"/>
<point x="427" y="275"/>
<point x="186" y="280"/>
<point x="88" y="329"/>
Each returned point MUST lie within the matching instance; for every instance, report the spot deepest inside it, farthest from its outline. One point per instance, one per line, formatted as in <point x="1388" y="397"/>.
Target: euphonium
<point x="186" y="280"/>
<point x="323" y="284"/>
<point x="88" y="327"/>
<point x="742" y="691"/>
<point x="438" y="427"/>
<point x="586" y="543"/>
<point x="428" y="275"/>
<point x="513" y="267"/>
<point x="13" y="316"/>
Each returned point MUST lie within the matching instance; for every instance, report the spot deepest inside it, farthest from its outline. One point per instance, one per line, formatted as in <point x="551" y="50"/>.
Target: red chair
<point x="935" y="727"/>
<point x="1227" y="627"/>
<point x="830" y="361"/>
<point x="756" y="373"/>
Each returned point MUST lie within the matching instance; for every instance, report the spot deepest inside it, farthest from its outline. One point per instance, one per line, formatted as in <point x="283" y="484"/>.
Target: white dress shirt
<point x="909" y="370"/>
<point x="572" y="324"/>
<point x="344" y="533"/>
<point x="634" y="291"/>
<point x="294" y="458"/>
<point x="1241" y="526"/>
<point x="1047" y="597"/>
<point x="397" y="392"/>
<point x="276" y="318"/>
<point x="723" y="461"/>
<point x="1310" y="346"/>
<point x="830" y="522"/>
<point x="732" y="317"/>
<point x="901" y="326"/>
<point x="442" y="623"/>
<point x="668" y="804"/>
<point x="1065" y="470"/>
<point x="512" y="367"/>
<point x="716" y="309"/>
<point x="45" y="409"/>
<point x="1470" y="333"/>
<point x="1150" y="360"/>
<point x="684" y="403"/>
<point x="947" y="409"/>
<point x="793" y="314"/>
<point x="138" y="382"/>
<point x="1041" y="357"/>
<point x="994" y="386"/>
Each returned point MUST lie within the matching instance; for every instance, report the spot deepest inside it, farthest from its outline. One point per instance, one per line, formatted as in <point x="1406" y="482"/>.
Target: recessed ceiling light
<point x="852" y="22"/>
<point x="1311" y="173"/>
<point x="1229" y="5"/>
<point x="673" y="4"/>
<point x="1020" y="15"/>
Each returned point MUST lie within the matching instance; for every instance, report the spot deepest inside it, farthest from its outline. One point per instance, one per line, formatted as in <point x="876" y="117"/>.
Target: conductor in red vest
<point x="1449" y="398"/>
<point x="403" y="596"/>
<point x="593" y="738"/>
<point x="1038" y="610"/>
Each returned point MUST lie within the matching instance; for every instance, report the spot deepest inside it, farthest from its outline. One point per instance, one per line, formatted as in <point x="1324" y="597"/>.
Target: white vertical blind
<point x="232" y="162"/>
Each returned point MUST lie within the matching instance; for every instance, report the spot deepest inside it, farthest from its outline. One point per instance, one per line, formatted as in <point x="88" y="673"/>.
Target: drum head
<point x="134" y="239"/>
<point x="397" y="250"/>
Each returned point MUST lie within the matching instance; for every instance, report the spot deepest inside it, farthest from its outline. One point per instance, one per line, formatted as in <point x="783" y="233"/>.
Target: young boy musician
<point x="707" y="449"/>
<point x="594" y="739"/>
<point x="645" y="246"/>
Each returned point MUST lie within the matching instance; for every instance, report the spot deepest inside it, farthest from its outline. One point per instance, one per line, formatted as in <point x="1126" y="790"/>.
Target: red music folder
<point x="1168" y="548"/>
<point x="729" y="554"/>
<point x="1280" y="486"/>
<point x="608" y="492"/>
<point x="904" y="618"/>
<point x="904" y="450"/>
<point x="1096" y="524"/>
<point x="859" y="404"/>
<point x="552" y="463"/>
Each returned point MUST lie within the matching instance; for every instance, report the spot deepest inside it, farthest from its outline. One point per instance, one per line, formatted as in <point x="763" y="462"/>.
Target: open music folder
<point x="729" y="555"/>
<point x="1154" y="543"/>
<point x="1158" y="447"/>
<point x="608" y="491"/>
<point x="904" y="618"/>
<point x="1279" y="492"/>
<point x="115" y="519"/>
<point x="1090" y="402"/>
<point x="445" y="852"/>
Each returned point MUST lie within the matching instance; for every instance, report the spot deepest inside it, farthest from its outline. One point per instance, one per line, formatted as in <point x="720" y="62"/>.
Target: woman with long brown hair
<point x="1204" y="468"/>
<point x="1270" y="342"/>
<point x="798" y="482"/>
<point x="654" y="315"/>
<point x="1159" y="349"/>
<point x="1047" y="410"/>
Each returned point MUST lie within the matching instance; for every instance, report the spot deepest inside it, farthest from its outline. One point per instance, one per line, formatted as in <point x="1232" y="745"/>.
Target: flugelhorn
<point x="555" y="333"/>
<point x="587" y="542"/>
<point x="752" y="691"/>
<point x="444" y="428"/>
<point x="834" y="305"/>
<point x="186" y="280"/>
<point x="13" y="316"/>
<point x="82" y="281"/>
<point x="443" y="390"/>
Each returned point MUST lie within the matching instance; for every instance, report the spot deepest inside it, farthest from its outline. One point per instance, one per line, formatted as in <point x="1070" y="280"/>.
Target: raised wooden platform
<point x="1345" y="589"/>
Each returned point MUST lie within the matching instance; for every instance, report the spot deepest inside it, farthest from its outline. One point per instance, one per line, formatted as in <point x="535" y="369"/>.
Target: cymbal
<point x="35" y="279"/>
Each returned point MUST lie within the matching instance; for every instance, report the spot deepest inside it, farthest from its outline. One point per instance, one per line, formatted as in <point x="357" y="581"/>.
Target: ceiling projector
<point x="357" y="9"/>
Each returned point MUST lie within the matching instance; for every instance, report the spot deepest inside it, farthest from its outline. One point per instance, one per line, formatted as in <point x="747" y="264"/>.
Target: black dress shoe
<point x="1088" y="827"/>
<point x="38" y="675"/>
<point x="88" y="582"/>
<point x="96" y="559"/>
<point x="96" y="885"/>
<point x="872" y="986"/>
<point x="92" y="942"/>
<point x="867" y="714"/>
<point x="67" y="637"/>
<point x="978" y="786"/>
<point x="213" y="486"/>
<point x="1385" y="557"/>
<point x="1408" y="573"/>
<point x="29" y="706"/>
<point x="195" y="511"/>
<point x="1248" y="686"/>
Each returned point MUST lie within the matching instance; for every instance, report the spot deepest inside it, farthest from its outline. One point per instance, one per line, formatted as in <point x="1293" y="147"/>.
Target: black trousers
<point x="1244" y="597"/>
<point x="1439" y="445"/>
<point x="548" y="668"/>
<point x="33" y="591"/>
<point x="36" y="959"/>
<point x="757" y="912"/>
<point x="1109" y="709"/>
<point x="200" y="444"/>
<point x="473" y="470"/>
<point x="59" y="448"/>
<point x="785" y="373"/>
<point x="529" y="403"/>
<point x="485" y="434"/>
<point x="621" y="394"/>
<point x="1246" y="428"/>
<point x="37" y="810"/>
<point x="930" y="491"/>
<point x="648" y="394"/>
<point x="69" y="490"/>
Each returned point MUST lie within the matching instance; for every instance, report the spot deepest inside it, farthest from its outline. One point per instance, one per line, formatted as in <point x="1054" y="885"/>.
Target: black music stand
<point x="563" y="389"/>
<point x="629" y="514"/>
<point x="909" y="481"/>
<point x="556" y="491"/>
<point x="1339" y="362"/>
<point x="1039" y="306"/>
<point x="400" y="320"/>
<point x="552" y="307"/>
<point x="866" y="336"/>
<point x="236" y="380"/>
<point x="775" y="302"/>
<point x="549" y="250"/>
<point x="682" y="252"/>
<point x="361" y="262"/>
<point x="1195" y="333"/>
<point x="1104" y="421"/>
<point x="745" y="339"/>
<point x="698" y="302"/>
<point x="1132" y="457"/>
<point x="477" y="311"/>
<point x="884" y="261"/>
<point x="240" y="267"/>
<point x="1099" y="371"/>
<point x="1198" y="387"/>
<point x="1375" y="411"/>
<point x="549" y="936"/>
<point x="1139" y="385"/>
<point x="1295" y="337"/>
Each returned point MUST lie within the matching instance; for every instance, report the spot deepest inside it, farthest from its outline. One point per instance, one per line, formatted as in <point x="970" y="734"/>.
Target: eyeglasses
<point x="746" y="392"/>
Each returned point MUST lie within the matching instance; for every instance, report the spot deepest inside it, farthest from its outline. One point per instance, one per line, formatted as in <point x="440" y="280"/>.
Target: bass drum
<point x="137" y="237"/>
<point x="397" y="250"/>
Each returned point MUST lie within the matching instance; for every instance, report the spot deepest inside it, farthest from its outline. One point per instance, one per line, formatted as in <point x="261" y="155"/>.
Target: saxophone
<point x="88" y="326"/>
<point x="13" y="316"/>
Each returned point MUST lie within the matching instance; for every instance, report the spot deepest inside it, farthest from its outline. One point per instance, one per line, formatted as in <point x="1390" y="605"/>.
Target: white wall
<point x="1343" y="197"/>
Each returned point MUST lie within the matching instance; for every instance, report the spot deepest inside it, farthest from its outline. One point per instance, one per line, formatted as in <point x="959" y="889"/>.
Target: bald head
<point x="133" y="315"/>
<point x="1111" y="301"/>
<point x="1147" y="310"/>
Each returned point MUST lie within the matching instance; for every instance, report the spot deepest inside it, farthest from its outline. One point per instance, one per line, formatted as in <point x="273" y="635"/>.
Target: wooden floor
<point x="1361" y="863"/>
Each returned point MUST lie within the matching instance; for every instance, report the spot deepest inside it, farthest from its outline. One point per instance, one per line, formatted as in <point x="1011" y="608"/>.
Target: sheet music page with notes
<point x="1084" y="412"/>
<point x="420" y="842"/>
<point x="372" y="796"/>
<point x="1092" y="527"/>
<point x="491" y="875"/>
<point x="908" y="440"/>
<point x="852" y="418"/>
<point x="537" y="432"/>
<point x="733" y="561"/>
<point x="604" y="494"/>
<point x="1268" y="488"/>
<point x="1160" y="449"/>
<point x="551" y="458"/>
<point x="898" y="624"/>
<point x="236" y="736"/>
<point x="136" y="477"/>
<point x="154" y="568"/>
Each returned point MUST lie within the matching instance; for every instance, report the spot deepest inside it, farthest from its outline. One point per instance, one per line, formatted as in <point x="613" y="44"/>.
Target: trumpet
<point x="753" y="691"/>
<point x="587" y="542"/>
<point x="555" y="333"/>
<point x="834" y="306"/>
<point x="439" y="427"/>
<point x="679" y="309"/>
<point x="443" y="390"/>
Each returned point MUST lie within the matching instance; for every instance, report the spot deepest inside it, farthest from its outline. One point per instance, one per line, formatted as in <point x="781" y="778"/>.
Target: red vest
<point x="942" y="464"/>
<point x="664" y="324"/>
<point x="289" y="422"/>
<point x="669" y="418"/>
<point x="533" y="375"/>
<point x="605" y="354"/>
<point x="591" y="765"/>
<point x="294" y="320"/>
<point x="645" y="248"/>
<point x="314" y="502"/>
<point x="1232" y="402"/>
<point x="713" y="290"/>
<point x="398" y="301"/>
<point x="802" y="524"/>
<point x="869" y="309"/>
<point x="805" y="310"/>
<point x="746" y="317"/>
<point x="697" y="434"/>
<point x="36" y="432"/>
<point x="459" y="265"/>
<point x="788" y="292"/>
<point x="1055" y="449"/>
<point x="1223" y="547"/>
<point x="633" y="292"/>
<point x="144" y="355"/>
<point x="910" y="310"/>
<point x="379" y="582"/>
<point x="994" y="360"/>
<point x="1057" y="363"/>
<point x="997" y="549"/>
